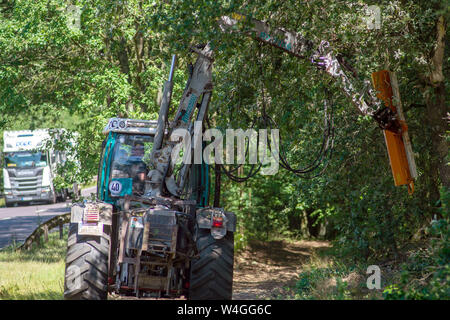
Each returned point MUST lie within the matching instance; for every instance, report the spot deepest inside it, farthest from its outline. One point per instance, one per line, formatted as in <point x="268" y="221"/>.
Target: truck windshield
<point x="25" y="159"/>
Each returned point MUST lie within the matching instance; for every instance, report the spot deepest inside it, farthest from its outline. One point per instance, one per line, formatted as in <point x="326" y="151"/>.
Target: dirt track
<point x="266" y="269"/>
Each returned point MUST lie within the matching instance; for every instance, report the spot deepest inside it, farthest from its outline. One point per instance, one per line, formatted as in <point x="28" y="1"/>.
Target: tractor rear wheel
<point x="86" y="275"/>
<point x="212" y="273"/>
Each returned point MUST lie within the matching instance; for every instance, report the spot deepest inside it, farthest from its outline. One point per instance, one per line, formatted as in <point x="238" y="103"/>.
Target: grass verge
<point x="89" y="184"/>
<point x="327" y="278"/>
<point x="37" y="274"/>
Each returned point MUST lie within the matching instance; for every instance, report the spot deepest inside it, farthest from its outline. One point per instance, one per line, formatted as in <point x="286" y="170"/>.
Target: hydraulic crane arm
<point x="323" y="58"/>
<point x="193" y="107"/>
<point x="375" y="103"/>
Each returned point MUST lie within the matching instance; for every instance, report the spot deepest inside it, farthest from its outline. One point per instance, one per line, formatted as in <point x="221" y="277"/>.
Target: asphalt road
<point x="17" y="223"/>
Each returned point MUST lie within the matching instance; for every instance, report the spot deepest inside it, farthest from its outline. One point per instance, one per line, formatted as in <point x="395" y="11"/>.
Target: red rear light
<point x="217" y="222"/>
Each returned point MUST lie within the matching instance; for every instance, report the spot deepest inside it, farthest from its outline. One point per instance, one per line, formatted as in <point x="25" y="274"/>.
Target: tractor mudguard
<point x="91" y="217"/>
<point x="105" y="212"/>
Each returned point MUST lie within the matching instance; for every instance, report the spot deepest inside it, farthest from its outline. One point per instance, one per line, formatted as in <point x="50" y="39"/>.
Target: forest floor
<point x="270" y="270"/>
<point x="291" y="269"/>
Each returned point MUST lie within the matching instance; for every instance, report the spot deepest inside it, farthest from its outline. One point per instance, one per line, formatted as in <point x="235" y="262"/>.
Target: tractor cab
<point x="125" y="160"/>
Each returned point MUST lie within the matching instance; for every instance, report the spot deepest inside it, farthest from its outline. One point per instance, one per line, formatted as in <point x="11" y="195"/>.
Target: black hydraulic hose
<point x="328" y="136"/>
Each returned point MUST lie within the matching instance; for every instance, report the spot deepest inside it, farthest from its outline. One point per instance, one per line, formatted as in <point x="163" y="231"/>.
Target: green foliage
<point x="240" y="241"/>
<point x="426" y="274"/>
<point x="324" y="283"/>
<point x="53" y="76"/>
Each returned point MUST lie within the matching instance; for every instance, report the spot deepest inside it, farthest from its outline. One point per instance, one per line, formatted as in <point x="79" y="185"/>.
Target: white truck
<point x="29" y="169"/>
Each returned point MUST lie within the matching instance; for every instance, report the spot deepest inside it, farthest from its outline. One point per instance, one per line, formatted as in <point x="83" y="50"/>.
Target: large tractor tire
<point x="86" y="276"/>
<point x="212" y="273"/>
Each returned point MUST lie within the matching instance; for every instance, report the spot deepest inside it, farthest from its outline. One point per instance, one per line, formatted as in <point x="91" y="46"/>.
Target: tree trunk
<point x="311" y="220"/>
<point x="122" y="56"/>
<point x="437" y="111"/>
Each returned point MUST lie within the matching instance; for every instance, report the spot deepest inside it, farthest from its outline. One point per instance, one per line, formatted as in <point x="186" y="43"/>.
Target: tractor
<point x="150" y="232"/>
